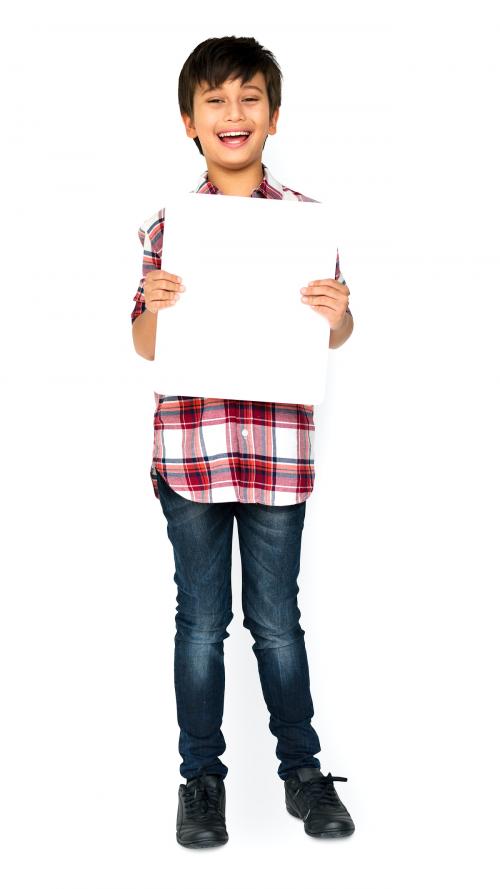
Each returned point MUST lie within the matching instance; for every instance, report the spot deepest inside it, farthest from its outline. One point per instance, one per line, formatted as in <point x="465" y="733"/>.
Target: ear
<point x="188" y="123"/>
<point x="273" y="121"/>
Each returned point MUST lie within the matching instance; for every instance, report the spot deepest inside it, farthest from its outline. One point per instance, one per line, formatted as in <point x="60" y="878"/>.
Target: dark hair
<point x="222" y="58"/>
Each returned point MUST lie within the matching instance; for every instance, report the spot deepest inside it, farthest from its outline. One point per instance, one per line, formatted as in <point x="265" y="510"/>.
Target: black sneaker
<point x="310" y="795"/>
<point x="201" y="816"/>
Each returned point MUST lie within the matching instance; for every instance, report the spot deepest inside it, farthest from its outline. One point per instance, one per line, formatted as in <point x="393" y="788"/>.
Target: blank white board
<point x="240" y="329"/>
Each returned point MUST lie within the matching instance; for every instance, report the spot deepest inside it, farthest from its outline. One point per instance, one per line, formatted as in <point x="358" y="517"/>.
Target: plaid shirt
<point x="214" y="450"/>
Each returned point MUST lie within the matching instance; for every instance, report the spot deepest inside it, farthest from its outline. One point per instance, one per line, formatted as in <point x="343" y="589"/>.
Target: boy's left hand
<point x="329" y="298"/>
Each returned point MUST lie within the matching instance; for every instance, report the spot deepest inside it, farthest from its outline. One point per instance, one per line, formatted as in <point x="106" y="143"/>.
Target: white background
<point x="390" y="108"/>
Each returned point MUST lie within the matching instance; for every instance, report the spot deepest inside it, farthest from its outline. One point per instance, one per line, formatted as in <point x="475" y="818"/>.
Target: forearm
<point x="339" y="336"/>
<point x="144" y="334"/>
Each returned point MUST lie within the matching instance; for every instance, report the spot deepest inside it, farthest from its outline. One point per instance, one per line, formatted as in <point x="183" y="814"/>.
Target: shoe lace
<point x="201" y="798"/>
<point x="320" y="790"/>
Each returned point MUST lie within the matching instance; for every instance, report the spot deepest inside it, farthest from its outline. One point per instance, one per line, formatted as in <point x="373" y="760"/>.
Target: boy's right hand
<point x="161" y="289"/>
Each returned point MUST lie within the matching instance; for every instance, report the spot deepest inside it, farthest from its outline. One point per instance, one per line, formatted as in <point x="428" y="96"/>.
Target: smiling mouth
<point x="234" y="141"/>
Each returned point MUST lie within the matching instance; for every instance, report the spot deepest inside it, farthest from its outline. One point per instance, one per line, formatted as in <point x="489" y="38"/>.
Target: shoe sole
<point x="326" y="834"/>
<point x="202" y="844"/>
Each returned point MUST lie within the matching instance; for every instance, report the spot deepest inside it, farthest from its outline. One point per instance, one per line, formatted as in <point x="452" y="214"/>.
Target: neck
<point x="237" y="182"/>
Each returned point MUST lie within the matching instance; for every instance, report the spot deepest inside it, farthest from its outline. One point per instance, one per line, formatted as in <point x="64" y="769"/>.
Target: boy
<point x="215" y="459"/>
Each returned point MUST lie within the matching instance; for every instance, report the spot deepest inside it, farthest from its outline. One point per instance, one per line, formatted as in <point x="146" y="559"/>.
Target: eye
<point x="249" y="99"/>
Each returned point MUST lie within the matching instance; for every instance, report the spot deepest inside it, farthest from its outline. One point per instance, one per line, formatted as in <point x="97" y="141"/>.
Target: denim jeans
<point x="269" y="540"/>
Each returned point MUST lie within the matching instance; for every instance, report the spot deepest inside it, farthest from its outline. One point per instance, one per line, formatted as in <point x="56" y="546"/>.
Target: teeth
<point x="240" y="133"/>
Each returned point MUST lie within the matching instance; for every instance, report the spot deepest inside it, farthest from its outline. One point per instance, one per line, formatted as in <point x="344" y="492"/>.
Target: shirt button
<point x="244" y="432"/>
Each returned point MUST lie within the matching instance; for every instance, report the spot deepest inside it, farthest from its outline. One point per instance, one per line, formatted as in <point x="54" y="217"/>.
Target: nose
<point x="234" y="111"/>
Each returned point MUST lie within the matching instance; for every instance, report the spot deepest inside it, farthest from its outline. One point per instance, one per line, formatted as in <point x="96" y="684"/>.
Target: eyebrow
<point x="250" y="86"/>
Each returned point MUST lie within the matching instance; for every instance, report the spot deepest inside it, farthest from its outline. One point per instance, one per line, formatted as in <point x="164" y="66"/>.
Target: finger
<point x="318" y="294"/>
<point x="166" y="285"/>
<point x="157" y="304"/>
<point x="154" y="303"/>
<point x="325" y="305"/>
<point x="316" y="302"/>
<point x="320" y="288"/>
<point x="159" y="296"/>
<point x="158" y="275"/>
<point x="332" y="283"/>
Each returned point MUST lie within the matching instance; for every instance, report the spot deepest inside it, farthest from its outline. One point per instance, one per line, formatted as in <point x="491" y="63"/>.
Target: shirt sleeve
<point x="340" y="278"/>
<point x="150" y="260"/>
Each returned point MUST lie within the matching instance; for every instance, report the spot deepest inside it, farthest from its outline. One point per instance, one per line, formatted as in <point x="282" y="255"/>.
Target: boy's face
<point x="232" y="107"/>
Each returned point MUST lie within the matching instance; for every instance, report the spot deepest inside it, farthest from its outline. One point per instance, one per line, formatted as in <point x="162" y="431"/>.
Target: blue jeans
<point x="269" y="537"/>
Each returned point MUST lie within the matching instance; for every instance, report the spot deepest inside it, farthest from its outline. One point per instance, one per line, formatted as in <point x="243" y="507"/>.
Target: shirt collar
<point x="269" y="186"/>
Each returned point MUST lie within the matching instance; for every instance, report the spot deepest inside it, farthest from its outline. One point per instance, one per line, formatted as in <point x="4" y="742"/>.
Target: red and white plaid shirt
<point x="214" y="450"/>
